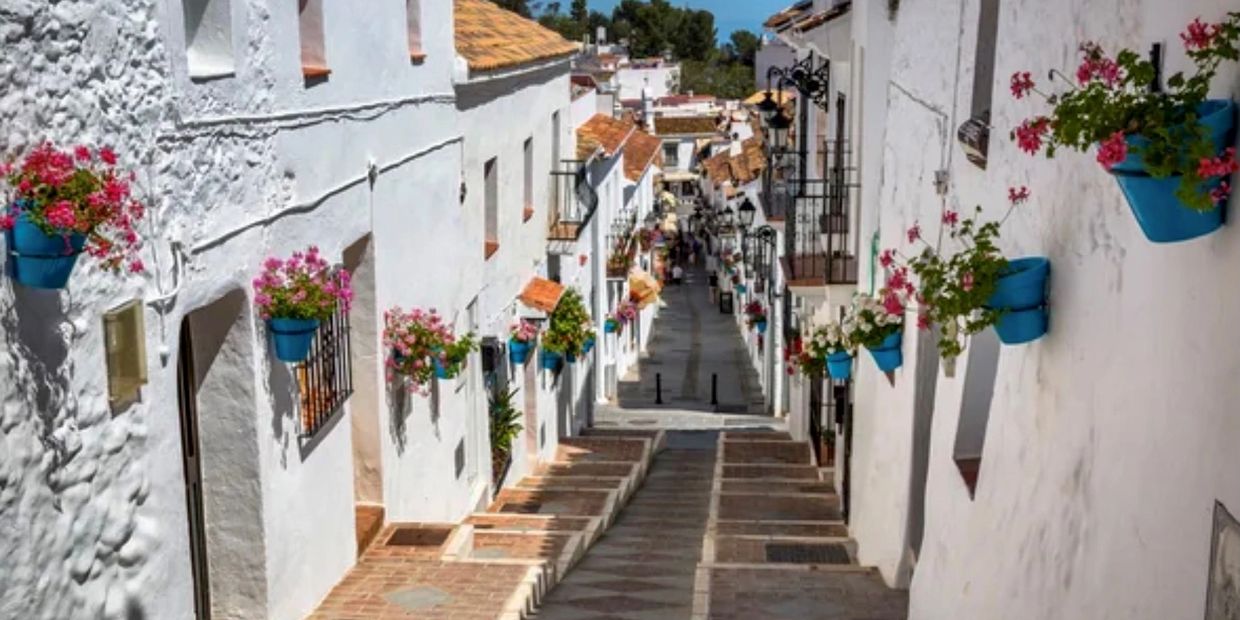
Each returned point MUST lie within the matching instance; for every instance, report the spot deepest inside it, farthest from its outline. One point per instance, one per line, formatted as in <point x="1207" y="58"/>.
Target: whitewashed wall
<point x="1110" y="439"/>
<point x="659" y="81"/>
<point x="96" y="501"/>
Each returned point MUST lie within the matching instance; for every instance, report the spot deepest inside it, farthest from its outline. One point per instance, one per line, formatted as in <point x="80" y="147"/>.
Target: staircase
<point x="775" y="544"/>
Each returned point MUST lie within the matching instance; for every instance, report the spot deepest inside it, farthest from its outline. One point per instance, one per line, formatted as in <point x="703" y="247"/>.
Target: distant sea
<point x="729" y="14"/>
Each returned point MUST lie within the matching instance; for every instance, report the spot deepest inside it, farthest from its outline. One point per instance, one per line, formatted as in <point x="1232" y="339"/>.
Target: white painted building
<point x="1052" y="479"/>
<point x="659" y="77"/>
<point x="255" y="130"/>
<point x="773" y="52"/>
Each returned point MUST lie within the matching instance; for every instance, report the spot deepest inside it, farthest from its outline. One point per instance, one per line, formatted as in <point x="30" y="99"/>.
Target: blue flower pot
<point x="292" y="338"/>
<point x="740" y="288"/>
<point x="839" y="365"/>
<point x="518" y="352"/>
<point x="38" y="260"/>
<point x="1021" y="294"/>
<point x="610" y="327"/>
<point x="888" y="355"/>
<point x="440" y="371"/>
<point x="570" y="358"/>
<point x="549" y="359"/>
<point x="1163" y="218"/>
<point x="587" y="347"/>
<point x="761" y="326"/>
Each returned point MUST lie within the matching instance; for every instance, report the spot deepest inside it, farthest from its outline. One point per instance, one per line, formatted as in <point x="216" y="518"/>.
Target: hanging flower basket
<point x="611" y="326"/>
<point x="587" y="346"/>
<point x="549" y="360"/>
<point x="292" y="338"/>
<point x="40" y="260"/>
<point x="888" y="356"/>
<point x="760" y="325"/>
<point x="1163" y="217"/>
<point x="839" y="365"/>
<point x="1020" y="294"/>
<point x="519" y="352"/>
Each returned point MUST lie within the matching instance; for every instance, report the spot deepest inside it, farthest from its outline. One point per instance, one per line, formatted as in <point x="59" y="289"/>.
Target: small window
<point x="671" y="154"/>
<point x="413" y="21"/>
<point x="124" y="340"/>
<point x="208" y="38"/>
<point x="310" y="24"/>
<point x="979" y="391"/>
<point x="490" y="173"/>
<point x="528" y="180"/>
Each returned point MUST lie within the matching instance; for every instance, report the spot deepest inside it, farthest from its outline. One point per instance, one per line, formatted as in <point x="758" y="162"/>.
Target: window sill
<point x="311" y="72"/>
<point x="527" y="214"/>
<point x="489" y="248"/>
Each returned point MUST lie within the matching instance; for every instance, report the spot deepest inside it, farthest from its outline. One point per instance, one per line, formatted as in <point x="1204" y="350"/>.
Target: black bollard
<point x="714" y="389"/>
<point x="658" y="388"/>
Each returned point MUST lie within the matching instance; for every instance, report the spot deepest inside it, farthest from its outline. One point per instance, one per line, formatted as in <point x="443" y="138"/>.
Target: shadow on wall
<point x="38" y="353"/>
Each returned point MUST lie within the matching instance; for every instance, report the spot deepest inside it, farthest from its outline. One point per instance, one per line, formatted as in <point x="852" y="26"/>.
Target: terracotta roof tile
<point x="602" y="132"/>
<point x="681" y="125"/>
<point x="638" y="153"/>
<point x="784" y="17"/>
<point x="542" y="294"/>
<point x="717" y="169"/>
<point x="489" y="37"/>
<point x="817" y="19"/>
<point x="780" y="96"/>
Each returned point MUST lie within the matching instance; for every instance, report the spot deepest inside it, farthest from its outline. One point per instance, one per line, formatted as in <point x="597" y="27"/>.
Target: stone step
<point x="775" y="486"/>
<point x="589" y="469"/>
<point x="767" y="452"/>
<point x="783" y="550"/>
<point x="770" y="471"/>
<point x="604" y="449"/>
<point x="750" y="507"/>
<point x="757" y="435"/>
<point x="368" y="522"/>
<point x="781" y="528"/>
<point x="658" y="438"/>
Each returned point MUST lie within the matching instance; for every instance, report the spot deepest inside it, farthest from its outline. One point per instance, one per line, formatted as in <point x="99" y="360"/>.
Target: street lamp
<point x="725" y="217"/>
<point x="745" y="213"/>
<point x="779" y="125"/>
<point x="767" y="107"/>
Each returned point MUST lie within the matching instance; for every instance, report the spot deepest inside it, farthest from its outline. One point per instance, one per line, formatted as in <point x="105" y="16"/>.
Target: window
<point x="124" y="340"/>
<point x="208" y="38"/>
<point x="528" y="180"/>
<point x="310" y="25"/>
<point x="325" y="379"/>
<point x="974" y="134"/>
<point x="413" y="23"/>
<point x="490" y="172"/>
<point x="979" y="390"/>
<point x="671" y="154"/>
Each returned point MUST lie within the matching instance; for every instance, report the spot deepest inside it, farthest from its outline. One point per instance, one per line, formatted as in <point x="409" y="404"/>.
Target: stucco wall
<point x="1095" y="496"/>
<point x="96" y="501"/>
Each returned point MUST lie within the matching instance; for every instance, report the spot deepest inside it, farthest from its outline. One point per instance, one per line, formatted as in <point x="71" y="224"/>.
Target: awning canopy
<point x="542" y="294"/>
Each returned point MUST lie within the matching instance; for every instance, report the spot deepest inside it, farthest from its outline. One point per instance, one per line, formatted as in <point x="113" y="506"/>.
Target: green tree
<point x="745" y="46"/>
<point x="696" y="37"/>
<point x="520" y="7"/>
<point x="578" y="11"/>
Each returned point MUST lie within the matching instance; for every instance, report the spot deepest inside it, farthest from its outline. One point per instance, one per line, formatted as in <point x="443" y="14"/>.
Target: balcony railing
<point x="573" y="201"/>
<point x="325" y="379"/>
<point x="820" y="241"/>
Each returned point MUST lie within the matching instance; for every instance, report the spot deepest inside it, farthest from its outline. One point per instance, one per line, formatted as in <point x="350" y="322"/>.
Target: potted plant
<point x="611" y="325"/>
<point x="877" y="323"/>
<point x="626" y="311"/>
<point x="976" y="286"/>
<point x="756" y="316"/>
<point x="450" y="359"/>
<point x="618" y="265"/>
<point x="588" y="344"/>
<point x="521" y="339"/>
<point x="64" y="203"/>
<point x="1169" y="150"/>
<point x="294" y="295"/>
<point x="505" y="426"/>
<point x="832" y="344"/>
<point x="416" y="340"/>
<point x="567" y="327"/>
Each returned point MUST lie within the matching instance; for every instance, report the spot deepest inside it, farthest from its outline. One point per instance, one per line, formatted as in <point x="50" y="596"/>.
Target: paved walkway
<point x="644" y="567"/>
<point x="692" y="341"/>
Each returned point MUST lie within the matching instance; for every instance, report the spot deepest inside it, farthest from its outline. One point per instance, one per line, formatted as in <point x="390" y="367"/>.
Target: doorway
<point x="187" y="403"/>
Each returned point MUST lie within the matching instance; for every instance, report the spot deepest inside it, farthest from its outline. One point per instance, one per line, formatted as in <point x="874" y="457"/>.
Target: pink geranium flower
<point x="1022" y="83"/>
<point x="1113" y="150"/>
<point x="1030" y="134"/>
<point x="1018" y="196"/>
<point x="1199" y="35"/>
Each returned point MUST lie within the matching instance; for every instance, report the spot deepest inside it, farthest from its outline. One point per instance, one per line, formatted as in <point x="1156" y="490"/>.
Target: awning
<point x="643" y="288"/>
<point x="542" y="294"/>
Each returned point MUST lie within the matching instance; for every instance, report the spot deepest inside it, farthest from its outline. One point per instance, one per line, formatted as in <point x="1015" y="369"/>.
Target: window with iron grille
<point x="325" y="379"/>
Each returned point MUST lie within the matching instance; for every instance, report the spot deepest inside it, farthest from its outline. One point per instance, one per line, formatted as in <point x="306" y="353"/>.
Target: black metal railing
<point x="573" y="201"/>
<point x="325" y="379"/>
<point x="820" y="244"/>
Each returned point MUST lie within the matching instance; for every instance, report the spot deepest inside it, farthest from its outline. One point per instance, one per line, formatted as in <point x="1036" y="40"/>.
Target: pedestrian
<point x="714" y="285"/>
<point x="677" y="274"/>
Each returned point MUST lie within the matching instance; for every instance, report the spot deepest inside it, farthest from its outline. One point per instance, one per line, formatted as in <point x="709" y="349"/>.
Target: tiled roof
<point x="639" y="151"/>
<point x="489" y="37"/>
<point x="681" y="125"/>
<point x="677" y="100"/>
<point x="784" y="17"/>
<point x="817" y="19"/>
<point x="717" y="168"/>
<point x="602" y="132"/>
<point x="542" y="294"/>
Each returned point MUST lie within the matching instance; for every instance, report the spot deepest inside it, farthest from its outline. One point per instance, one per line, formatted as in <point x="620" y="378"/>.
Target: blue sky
<point x="729" y="14"/>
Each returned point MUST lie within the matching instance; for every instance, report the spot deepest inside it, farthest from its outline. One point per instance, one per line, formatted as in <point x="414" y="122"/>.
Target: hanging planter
<point x="40" y="260"/>
<point x="611" y="326"/>
<point x="452" y="358"/>
<point x="520" y="341"/>
<point x="549" y="360"/>
<point x="587" y="346"/>
<point x="839" y="365"/>
<point x="887" y="355"/>
<point x="423" y="348"/>
<point x="294" y="296"/>
<point x="1020" y="296"/>
<point x="1170" y="149"/>
<point x="519" y="352"/>
<point x="291" y="338"/>
<point x="760" y="325"/>
<point x="64" y="203"/>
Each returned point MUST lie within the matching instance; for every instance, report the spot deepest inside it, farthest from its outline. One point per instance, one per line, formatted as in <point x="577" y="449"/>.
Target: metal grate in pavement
<point x="807" y="554"/>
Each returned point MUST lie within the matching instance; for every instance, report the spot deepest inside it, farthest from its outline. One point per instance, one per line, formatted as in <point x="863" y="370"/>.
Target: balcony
<point x="820" y="228"/>
<point x="573" y="201"/>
